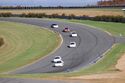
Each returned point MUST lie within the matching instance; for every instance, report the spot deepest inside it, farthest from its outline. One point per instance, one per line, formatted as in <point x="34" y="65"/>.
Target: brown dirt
<point x="1" y="41"/>
<point x="121" y="64"/>
<point x="116" y="77"/>
<point x="77" y="12"/>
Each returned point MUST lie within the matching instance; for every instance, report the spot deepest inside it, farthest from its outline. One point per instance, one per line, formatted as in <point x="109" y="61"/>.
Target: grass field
<point x="114" y="28"/>
<point x="107" y="64"/>
<point x="77" y="12"/>
<point x="24" y="44"/>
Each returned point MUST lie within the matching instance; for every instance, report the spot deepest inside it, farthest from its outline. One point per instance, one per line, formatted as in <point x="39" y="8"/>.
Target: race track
<point x="17" y="80"/>
<point x="91" y="44"/>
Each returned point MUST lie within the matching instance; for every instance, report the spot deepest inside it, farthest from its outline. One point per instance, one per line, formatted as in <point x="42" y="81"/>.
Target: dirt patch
<point x="1" y="41"/>
<point x="121" y="64"/>
<point x="115" y="77"/>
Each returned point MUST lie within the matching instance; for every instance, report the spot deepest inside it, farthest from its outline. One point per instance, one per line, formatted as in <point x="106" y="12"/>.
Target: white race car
<point x="72" y="45"/>
<point x="56" y="59"/>
<point x="54" y="26"/>
<point x="73" y="34"/>
<point x="59" y="64"/>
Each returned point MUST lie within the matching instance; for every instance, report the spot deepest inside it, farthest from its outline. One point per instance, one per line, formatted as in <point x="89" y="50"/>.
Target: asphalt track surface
<point x="17" y="80"/>
<point x="91" y="44"/>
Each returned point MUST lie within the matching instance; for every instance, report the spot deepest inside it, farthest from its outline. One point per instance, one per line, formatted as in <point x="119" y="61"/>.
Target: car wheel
<point x="53" y="66"/>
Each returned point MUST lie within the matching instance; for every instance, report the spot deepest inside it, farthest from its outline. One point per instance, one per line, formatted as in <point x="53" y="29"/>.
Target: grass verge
<point x="114" y="28"/>
<point x="24" y="44"/>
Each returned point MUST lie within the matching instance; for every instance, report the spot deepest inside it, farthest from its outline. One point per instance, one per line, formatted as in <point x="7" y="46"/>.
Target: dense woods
<point x="111" y="3"/>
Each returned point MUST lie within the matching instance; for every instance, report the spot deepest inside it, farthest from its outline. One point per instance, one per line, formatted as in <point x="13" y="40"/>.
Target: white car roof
<point x="60" y="61"/>
<point x="57" y="56"/>
<point x="73" y="32"/>
<point x="72" y="42"/>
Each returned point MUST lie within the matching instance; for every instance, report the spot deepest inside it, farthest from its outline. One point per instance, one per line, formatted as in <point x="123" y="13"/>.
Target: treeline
<point x="64" y="16"/>
<point x="72" y="16"/>
<point x="110" y="18"/>
<point x="6" y="14"/>
<point x="111" y="3"/>
<point x="58" y="7"/>
<point x="1" y="41"/>
<point x="44" y="15"/>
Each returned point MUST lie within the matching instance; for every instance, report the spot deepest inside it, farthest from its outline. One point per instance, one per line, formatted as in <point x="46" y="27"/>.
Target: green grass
<point x="107" y="64"/>
<point x="113" y="28"/>
<point x="24" y="44"/>
<point x="109" y="9"/>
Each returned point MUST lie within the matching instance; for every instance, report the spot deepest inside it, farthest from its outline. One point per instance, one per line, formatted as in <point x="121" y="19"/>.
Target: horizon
<point x="47" y="3"/>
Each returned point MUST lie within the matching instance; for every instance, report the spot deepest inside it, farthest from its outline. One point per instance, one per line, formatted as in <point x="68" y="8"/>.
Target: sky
<point x="47" y="2"/>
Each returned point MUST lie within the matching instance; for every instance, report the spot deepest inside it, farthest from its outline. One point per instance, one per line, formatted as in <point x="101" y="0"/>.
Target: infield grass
<point x="24" y="44"/>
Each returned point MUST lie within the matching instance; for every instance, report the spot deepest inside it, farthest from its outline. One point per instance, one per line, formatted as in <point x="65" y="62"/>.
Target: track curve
<point x="91" y="44"/>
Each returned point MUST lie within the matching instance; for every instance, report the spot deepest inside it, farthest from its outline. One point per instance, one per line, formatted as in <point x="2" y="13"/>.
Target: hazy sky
<point x="46" y="2"/>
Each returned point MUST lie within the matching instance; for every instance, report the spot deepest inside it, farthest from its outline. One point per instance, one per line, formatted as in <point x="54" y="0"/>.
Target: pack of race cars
<point x="58" y="62"/>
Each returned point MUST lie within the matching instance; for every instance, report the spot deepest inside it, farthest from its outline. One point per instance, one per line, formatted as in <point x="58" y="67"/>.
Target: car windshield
<point x="59" y="62"/>
<point x="73" y="33"/>
<point x="56" y="57"/>
<point x="72" y="43"/>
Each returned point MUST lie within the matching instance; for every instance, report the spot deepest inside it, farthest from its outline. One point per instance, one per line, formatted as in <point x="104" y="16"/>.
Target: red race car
<point x="66" y="30"/>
